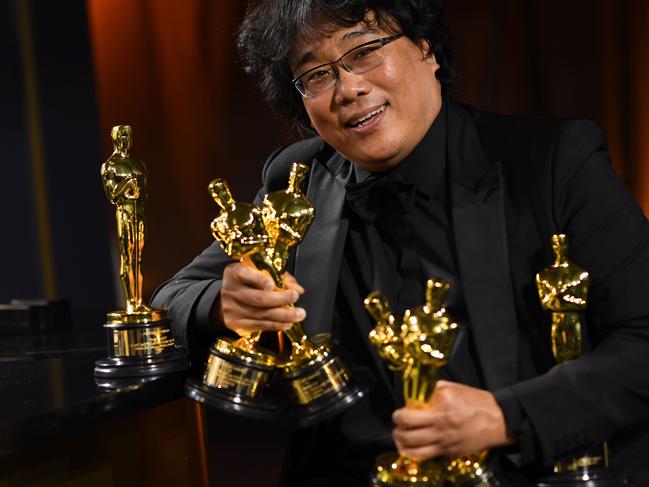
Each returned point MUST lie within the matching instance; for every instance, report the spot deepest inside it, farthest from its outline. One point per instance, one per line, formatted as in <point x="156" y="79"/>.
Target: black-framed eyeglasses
<point x="357" y="60"/>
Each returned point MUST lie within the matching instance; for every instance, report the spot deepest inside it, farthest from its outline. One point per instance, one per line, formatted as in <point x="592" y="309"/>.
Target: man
<point x="407" y="184"/>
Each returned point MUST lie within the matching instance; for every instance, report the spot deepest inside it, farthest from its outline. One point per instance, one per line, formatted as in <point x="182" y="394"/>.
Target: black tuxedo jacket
<point x="513" y="183"/>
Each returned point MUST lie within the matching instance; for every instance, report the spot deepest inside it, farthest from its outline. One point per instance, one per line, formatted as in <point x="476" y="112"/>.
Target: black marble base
<point x="328" y="406"/>
<point x="139" y="367"/>
<point x="600" y="477"/>
<point x="259" y="408"/>
<point x="114" y="383"/>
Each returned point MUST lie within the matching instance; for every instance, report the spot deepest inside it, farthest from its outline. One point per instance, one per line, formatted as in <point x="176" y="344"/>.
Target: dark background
<point x="71" y="70"/>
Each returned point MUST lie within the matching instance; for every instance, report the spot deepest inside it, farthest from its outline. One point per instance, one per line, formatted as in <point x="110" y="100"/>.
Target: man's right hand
<point x="249" y="301"/>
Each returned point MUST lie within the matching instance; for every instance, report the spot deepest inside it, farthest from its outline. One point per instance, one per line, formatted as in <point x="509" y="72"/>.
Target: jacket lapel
<point x="478" y="212"/>
<point x="317" y="258"/>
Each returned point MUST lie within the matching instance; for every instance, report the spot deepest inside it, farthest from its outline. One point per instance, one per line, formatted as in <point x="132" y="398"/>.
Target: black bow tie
<point x="371" y="198"/>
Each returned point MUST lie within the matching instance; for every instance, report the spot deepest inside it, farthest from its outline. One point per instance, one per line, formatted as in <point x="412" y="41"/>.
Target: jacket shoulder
<point x="278" y="165"/>
<point x="506" y="137"/>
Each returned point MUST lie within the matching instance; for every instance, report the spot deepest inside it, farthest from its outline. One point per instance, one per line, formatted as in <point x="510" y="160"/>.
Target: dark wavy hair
<point x="271" y="28"/>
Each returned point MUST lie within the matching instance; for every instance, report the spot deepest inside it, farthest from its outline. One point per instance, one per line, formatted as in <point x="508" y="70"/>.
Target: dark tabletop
<point x="48" y="390"/>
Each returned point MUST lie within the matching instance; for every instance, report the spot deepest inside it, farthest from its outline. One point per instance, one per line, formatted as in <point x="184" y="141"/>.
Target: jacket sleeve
<point x="189" y="296"/>
<point x="588" y="400"/>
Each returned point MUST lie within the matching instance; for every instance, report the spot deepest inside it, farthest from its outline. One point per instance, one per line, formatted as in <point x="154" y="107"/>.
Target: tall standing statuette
<point x="417" y="347"/>
<point x="140" y="341"/>
<point x="238" y="371"/>
<point x="315" y="377"/>
<point x="563" y="291"/>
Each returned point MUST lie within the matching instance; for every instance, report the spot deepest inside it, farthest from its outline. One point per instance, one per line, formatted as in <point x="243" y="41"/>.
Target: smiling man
<point x="407" y="184"/>
<point x="378" y="118"/>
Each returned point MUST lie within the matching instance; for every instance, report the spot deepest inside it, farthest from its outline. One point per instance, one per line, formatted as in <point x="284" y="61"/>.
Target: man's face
<point x="403" y="93"/>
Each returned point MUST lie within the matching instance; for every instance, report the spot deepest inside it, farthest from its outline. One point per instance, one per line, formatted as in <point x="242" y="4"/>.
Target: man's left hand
<point x="460" y="420"/>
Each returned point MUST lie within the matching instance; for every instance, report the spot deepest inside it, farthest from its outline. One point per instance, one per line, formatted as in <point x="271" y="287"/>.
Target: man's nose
<point x="349" y="86"/>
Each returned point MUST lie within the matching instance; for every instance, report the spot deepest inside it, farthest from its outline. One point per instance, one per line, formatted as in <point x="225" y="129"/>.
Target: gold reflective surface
<point x="387" y="336"/>
<point x="563" y="291"/>
<point x="139" y="341"/>
<point x="125" y="184"/>
<point x="239" y="379"/>
<point x="468" y="467"/>
<point x="136" y="317"/>
<point x="287" y="215"/>
<point x="331" y="377"/>
<point x="263" y="237"/>
<point x="399" y="471"/>
<point x="416" y="347"/>
<point x="240" y="231"/>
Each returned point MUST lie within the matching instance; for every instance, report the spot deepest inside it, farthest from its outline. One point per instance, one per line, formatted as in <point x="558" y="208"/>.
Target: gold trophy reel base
<point x="389" y="472"/>
<point x="589" y="469"/>
<point x="321" y="387"/>
<point x="138" y="353"/>
<point x="585" y="477"/>
<point x="236" y="381"/>
<point x="142" y="317"/>
<point x="474" y="470"/>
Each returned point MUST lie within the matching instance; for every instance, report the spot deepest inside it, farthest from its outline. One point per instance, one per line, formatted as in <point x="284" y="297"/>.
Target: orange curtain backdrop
<point x="577" y="59"/>
<point x="169" y="69"/>
<point x="640" y="89"/>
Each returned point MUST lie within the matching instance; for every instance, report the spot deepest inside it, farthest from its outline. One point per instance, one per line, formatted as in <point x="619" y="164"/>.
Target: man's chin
<point x="377" y="164"/>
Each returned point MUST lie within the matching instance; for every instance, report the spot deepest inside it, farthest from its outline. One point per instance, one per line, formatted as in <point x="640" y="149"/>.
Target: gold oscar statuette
<point x="417" y="347"/>
<point x="563" y="291"/>
<point x="316" y="378"/>
<point x="140" y="341"/>
<point x="238" y="371"/>
<point x="471" y="471"/>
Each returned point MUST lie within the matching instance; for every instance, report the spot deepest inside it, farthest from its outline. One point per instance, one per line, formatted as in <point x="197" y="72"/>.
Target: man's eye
<point x="364" y="53"/>
<point x="317" y="76"/>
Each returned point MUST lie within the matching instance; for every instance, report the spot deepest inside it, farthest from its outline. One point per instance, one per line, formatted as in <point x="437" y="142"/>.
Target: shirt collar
<point x="425" y="165"/>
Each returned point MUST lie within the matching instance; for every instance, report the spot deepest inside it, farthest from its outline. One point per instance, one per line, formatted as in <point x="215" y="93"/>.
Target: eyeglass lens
<point x="359" y="60"/>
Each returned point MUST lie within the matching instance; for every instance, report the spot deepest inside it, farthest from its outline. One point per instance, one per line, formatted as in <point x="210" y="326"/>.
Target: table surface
<point x="48" y="389"/>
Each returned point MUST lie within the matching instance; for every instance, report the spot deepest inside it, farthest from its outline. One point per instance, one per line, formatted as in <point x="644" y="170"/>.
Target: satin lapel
<point x="317" y="259"/>
<point x="478" y="211"/>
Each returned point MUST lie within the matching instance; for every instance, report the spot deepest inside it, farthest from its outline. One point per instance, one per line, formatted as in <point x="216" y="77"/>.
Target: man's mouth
<point x="367" y="118"/>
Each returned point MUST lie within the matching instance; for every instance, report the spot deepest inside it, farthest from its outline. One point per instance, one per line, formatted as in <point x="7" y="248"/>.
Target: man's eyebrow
<point x="356" y="33"/>
<point x="308" y="56"/>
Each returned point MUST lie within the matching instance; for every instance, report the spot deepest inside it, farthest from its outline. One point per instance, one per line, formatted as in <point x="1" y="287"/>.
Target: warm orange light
<point x="280" y="342"/>
<point x="641" y="102"/>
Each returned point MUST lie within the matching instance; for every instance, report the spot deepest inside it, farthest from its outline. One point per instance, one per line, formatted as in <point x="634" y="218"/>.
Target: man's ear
<point x="427" y="52"/>
<point x="425" y="47"/>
